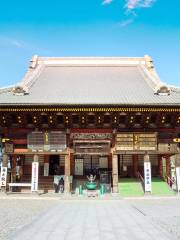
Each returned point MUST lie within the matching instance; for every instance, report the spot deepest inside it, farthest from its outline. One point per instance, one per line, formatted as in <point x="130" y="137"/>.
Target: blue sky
<point x="89" y="28"/>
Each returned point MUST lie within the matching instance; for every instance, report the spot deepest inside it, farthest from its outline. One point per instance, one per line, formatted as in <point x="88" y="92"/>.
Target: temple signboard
<point x="91" y="136"/>
<point x="92" y="147"/>
<point x="136" y="141"/>
<point x="47" y="141"/>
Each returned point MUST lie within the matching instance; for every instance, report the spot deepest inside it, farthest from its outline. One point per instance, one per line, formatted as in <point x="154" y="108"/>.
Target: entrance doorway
<point x="53" y="164"/>
<point x="125" y="165"/>
<point x="90" y="164"/>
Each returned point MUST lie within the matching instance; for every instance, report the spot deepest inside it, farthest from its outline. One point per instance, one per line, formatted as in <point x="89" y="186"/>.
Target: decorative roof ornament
<point x="20" y="90"/>
<point x="149" y="62"/>
<point x="34" y="62"/>
<point x="162" y="90"/>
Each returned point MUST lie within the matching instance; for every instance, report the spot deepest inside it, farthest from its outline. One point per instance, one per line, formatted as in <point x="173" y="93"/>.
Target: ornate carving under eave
<point x="115" y="120"/>
<point x="93" y="109"/>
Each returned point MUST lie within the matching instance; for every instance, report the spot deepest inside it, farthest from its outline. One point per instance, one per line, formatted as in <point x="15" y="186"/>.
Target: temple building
<point x="82" y="115"/>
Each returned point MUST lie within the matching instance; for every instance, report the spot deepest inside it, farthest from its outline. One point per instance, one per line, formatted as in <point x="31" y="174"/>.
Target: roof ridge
<point x="84" y="61"/>
<point x="174" y="88"/>
<point x="152" y="80"/>
<point x="89" y="57"/>
<point x="6" y="89"/>
<point x="31" y="76"/>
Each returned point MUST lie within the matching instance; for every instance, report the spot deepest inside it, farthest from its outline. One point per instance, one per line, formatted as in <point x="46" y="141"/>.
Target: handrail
<point x="170" y="181"/>
<point x="138" y="175"/>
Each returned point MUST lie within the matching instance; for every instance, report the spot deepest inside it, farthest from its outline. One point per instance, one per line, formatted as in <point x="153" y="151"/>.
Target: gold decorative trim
<point x="94" y="109"/>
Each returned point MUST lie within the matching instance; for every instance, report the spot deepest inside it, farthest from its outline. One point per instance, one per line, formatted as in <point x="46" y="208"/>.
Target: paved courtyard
<point x="90" y="219"/>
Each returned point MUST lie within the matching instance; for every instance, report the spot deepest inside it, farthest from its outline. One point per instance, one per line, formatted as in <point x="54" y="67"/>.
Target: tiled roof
<point x="90" y="81"/>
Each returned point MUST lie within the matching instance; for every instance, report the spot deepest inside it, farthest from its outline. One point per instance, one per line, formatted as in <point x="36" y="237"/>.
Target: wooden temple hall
<point x="77" y="116"/>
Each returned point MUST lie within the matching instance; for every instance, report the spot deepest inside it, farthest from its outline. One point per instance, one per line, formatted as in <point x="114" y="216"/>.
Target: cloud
<point x="130" y="7"/>
<point x="11" y="42"/>
<point x="125" y="23"/>
<point x="16" y="43"/>
<point x="133" y="4"/>
<point x="106" y="2"/>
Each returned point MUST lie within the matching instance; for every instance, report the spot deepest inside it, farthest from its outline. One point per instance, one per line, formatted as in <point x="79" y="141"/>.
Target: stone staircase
<point x="45" y="183"/>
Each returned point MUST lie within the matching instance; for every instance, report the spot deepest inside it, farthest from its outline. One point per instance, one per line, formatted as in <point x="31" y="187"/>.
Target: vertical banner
<point x="147" y="176"/>
<point x="35" y="173"/>
<point x="178" y="178"/>
<point x="3" y="177"/>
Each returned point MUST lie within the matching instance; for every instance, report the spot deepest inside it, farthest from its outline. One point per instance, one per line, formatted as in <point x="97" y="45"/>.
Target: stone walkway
<point x="93" y="220"/>
<point x="16" y="213"/>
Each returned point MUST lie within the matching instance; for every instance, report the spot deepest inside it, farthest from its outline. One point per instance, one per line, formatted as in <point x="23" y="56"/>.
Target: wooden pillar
<point x="46" y="158"/>
<point x="5" y="160"/>
<point x="110" y="161"/>
<point x="14" y="161"/>
<point x="168" y="166"/>
<point x="135" y="159"/>
<point x="72" y="164"/>
<point x="67" y="173"/>
<point x="13" y="176"/>
<point x="22" y="164"/>
<point x="115" y="173"/>
<point x="72" y="169"/>
<point x="160" y="165"/>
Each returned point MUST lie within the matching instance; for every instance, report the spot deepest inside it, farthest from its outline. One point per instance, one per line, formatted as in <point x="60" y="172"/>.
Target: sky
<point x="89" y="28"/>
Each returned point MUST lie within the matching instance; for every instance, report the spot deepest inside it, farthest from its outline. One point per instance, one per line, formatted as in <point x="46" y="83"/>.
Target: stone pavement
<point x="17" y="212"/>
<point x="93" y="220"/>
